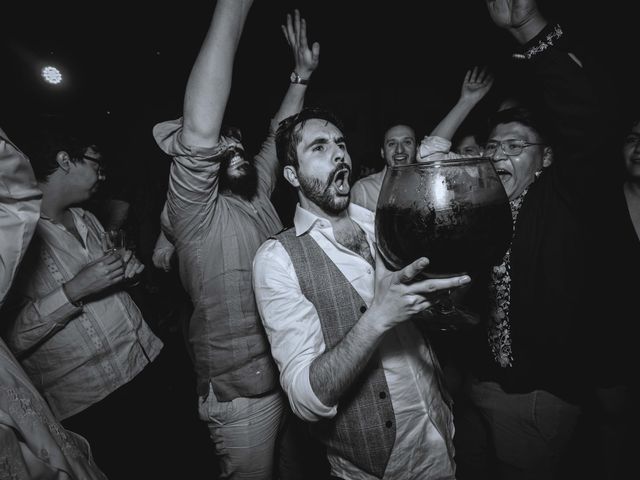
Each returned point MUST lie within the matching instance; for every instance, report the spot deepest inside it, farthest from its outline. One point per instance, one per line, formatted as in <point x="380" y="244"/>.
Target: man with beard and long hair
<point x="218" y="212"/>
<point x="337" y="320"/>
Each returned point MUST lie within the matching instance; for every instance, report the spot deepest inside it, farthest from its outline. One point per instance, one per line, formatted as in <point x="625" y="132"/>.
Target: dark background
<point x="126" y="66"/>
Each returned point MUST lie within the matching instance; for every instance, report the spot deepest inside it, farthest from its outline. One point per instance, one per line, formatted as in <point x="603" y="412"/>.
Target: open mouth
<point x="502" y="173"/>
<point x="341" y="180"/>
<point x="236" y="160"/>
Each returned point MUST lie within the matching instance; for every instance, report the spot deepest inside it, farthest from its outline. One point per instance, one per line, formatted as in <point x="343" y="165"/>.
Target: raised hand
<point x="295" y="32"/>
<point x="512" y="13"/>
<point x="476" y="84"/>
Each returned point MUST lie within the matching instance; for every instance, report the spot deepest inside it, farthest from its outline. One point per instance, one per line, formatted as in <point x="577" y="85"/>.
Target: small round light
<point x="51" y="75"/>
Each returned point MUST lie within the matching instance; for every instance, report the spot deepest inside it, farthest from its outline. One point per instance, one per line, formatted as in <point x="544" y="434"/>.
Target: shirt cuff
<point x="433" y="144"/>
<point x="56" y="303"/>
<point x="168" y="136"/>
<point x="307" y="405"/>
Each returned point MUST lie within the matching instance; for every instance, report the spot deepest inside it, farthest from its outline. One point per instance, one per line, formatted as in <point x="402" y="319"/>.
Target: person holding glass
<point x="75" y="331"/>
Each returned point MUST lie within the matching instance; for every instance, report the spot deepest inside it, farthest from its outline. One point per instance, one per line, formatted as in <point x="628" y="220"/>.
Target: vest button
<point x="388" y="424"/>
<point x="383" y="395"/>
<point x="363" y="309"/>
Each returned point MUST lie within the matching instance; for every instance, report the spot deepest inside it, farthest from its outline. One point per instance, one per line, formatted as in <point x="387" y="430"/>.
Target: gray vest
<point x="363" y="431"/>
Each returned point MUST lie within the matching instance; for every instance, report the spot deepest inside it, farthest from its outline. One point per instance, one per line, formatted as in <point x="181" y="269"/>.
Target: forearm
<point x="40" y="319"/>
<point x="452" y="121"/>
<point x="209" y="82"/>
<point x="292" y="102"/>
<point x="333" y="372"/>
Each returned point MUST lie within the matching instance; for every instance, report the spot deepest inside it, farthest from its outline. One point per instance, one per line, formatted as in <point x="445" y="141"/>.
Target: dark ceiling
<point x="127" y="65"/>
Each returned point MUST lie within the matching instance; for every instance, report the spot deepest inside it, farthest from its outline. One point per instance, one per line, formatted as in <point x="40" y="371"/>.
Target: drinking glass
<point x="455" y="212"/>
<point x="113" y="240"/>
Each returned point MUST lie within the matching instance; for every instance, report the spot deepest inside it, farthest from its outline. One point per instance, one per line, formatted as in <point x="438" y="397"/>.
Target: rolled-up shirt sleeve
<point x="292" y="326"/>
<point x="193" y="179"/>
<point x="436" y="148"/>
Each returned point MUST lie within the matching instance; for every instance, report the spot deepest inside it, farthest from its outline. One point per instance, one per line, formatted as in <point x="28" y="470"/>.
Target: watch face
<point x="295" y="78"/>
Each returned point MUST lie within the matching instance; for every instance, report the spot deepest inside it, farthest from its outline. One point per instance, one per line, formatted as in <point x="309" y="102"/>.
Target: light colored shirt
<point x="75" y="356"/>
<point x="33" y="444"/>
<point x="424" y="426"/>
<point x="365" y="192"/>
<point x="216" y="235"/>
<point x="20" y="200"/>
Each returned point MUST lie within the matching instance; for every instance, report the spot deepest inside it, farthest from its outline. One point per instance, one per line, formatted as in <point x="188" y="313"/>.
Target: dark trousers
<point x="129" y="431"/>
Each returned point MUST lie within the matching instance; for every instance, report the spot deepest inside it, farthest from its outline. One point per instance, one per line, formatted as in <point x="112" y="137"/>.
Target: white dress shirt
<point x="424" y="425"/>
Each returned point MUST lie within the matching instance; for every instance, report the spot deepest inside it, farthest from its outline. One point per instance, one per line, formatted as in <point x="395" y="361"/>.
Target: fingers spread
<point x="408" y="273"/>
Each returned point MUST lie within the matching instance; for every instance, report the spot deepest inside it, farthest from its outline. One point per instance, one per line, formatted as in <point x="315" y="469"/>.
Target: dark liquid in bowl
<point x="461" y="239"/>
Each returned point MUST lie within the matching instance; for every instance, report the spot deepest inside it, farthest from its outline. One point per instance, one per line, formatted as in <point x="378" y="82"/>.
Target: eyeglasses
<point x="95" y="160"/>
<point x="632" y="140"/>
<point x="510" y="147"/>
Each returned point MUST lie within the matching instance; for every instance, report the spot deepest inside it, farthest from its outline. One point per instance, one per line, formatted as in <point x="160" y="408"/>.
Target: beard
<point x="245" y="182"/>
<point x="323" y="193"/>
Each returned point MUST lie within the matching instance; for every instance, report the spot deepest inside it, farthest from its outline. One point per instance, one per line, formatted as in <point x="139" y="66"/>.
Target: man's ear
<point x="64" y="161"/>
<point x="547" y="156"/>
<point x="291" y="176"/>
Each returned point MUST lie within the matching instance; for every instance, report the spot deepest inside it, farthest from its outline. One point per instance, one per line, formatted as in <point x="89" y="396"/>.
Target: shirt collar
<point x="77" y="211"/>
<point x="304" y="220"/>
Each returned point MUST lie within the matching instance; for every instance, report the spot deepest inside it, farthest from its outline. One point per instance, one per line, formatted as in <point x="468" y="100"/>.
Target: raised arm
<point x="305" y="62"/>
<point x="477" y="82"/>
<point x="209" y="82"/>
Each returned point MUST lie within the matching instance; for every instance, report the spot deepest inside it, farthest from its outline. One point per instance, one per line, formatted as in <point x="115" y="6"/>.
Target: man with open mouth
<point x="336" y="318"/>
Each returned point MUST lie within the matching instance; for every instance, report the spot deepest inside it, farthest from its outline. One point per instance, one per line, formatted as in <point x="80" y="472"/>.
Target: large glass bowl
<point x="454" y="212"/>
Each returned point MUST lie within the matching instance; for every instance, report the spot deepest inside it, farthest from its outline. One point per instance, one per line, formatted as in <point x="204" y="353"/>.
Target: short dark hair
<point x="522" y="115"/>
<point x="45" y="144"/>
<point x="288" y="136"/>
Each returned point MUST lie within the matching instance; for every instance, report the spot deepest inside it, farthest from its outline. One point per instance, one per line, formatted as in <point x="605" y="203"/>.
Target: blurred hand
<point x="162" y="257"/>
<point x="295" y="32"/>
<point x="512" y="13"/>
<point x="133" y="266"/>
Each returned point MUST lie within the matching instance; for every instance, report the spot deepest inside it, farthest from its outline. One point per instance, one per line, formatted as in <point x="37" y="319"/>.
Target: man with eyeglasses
<point x="528" y="366"/>
<point x="74" y="329"/>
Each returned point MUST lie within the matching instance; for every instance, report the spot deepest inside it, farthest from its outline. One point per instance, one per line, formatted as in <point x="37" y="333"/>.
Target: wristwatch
<point x="295" y="78"/>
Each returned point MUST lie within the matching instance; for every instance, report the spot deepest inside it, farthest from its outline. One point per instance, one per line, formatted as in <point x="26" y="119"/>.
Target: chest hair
<point x="355" y="240"/>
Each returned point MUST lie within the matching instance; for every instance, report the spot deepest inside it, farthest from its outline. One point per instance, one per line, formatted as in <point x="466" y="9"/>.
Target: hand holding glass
<point x="113" y="241"/>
